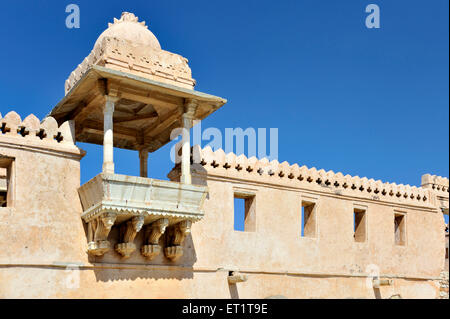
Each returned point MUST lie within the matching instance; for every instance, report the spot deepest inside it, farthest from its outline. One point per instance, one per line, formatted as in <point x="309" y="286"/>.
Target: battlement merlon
<point x="439" y="186"/>
<point x="219" y="165"/>
<point x="437" y="183"/>
<point x="34" y="134"/>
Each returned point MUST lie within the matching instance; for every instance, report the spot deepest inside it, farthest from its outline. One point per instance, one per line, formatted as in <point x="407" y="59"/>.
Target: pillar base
<point x="185" y="179"/>
<point x="173" y="252"/>
<point x="98" y="248"/>
<point x="125" y="249"/>
<point x="108" y="168"/>
<point x="150" y="251"/>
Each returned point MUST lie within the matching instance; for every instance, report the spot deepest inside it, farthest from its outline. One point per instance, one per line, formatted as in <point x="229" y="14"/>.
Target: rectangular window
<point x="308" y="219"/>
<point x="6" y="181"/>
<point x="244" y="212"/>
<point x="359" y="225"/>
<point x="3" y="186"/>
<point x="400" y="229"/>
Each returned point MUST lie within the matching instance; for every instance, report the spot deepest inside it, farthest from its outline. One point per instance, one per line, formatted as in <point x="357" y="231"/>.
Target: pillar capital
<point x="113" y="99"/>
<point x="190" y="107"/>
<point x="110" y="102"/>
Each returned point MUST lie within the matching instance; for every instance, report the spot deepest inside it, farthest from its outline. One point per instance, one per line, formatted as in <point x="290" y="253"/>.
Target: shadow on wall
<point x="234" y="294"/>
<point x="377" y="293"/>
<point x="112" y="266"/>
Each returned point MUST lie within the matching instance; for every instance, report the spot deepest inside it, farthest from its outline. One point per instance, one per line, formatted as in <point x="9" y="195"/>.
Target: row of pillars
<point x="108" y="146"/>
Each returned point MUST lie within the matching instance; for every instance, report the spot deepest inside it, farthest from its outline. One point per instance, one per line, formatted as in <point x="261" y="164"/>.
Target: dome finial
<point x="127" y="17"/>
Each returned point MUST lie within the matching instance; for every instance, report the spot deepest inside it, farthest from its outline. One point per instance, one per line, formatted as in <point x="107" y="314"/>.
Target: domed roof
<point x="130" y="29"/>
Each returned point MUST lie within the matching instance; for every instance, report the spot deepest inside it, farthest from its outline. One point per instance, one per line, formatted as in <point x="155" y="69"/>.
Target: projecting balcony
<point x="136" y="203"/>
<point x="119" y="109"/>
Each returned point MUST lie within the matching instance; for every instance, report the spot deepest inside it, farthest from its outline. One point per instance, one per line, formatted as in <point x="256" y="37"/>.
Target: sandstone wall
<point x="43" y="240"/>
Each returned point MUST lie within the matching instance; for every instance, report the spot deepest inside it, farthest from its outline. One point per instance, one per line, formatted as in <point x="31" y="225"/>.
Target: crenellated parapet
<point x="437" y="183"/>
<point x="45" y="133"/>
<point x="219" y="164"/>
<point x="438" y="186"/>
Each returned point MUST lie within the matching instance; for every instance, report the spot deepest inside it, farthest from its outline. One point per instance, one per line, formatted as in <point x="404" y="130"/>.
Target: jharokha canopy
<point x="131" y="94"/>
<point x="150" y="86"/>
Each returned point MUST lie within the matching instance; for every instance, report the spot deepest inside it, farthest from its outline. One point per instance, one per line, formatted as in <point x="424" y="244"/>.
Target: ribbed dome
<point x="129" y="28"/>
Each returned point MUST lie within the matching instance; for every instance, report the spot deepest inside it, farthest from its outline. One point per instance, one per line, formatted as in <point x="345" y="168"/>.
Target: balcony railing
<point x="135" y="203"/>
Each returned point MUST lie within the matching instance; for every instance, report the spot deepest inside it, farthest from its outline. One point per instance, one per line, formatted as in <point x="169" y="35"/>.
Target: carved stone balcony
<point x="135" y="203"/>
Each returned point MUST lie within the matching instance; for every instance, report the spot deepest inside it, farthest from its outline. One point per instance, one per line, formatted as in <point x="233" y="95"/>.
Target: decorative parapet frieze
<point x="128" y="231"/>
<point x="240" y="167"/>
<point x="175" y="236"/>
<point x="98" y="231"/>
<point x="31" y="129"/>
<point x="153" y="232"/>
<point x="145" y="61"/>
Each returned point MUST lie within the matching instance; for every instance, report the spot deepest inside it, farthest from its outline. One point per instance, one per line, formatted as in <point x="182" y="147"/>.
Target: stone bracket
<point x="377" y="283"/>
<point x="175" y="236"/>
<point x="236" y="277"/>
<point x="153" y="232"/>
<point x="128" y="231"/>
<point x="98" y="231"/>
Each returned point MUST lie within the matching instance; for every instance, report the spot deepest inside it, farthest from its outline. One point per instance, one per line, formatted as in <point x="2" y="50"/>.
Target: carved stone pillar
<point x="128" y="231"/>
<point x="98" y="231"/>
<point x="153" y="232"/>
<point x="187" y="118"/>
<point x="175" y="236"/>
<point x="108" y="146"/>
<point x="143" y="161"/>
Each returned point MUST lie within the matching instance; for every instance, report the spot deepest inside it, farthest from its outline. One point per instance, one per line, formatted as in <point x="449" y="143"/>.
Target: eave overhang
<point x="145" y="115"/>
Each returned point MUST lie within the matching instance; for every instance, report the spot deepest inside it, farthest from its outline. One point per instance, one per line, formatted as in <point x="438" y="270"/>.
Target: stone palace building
<point x="307" y="233"/>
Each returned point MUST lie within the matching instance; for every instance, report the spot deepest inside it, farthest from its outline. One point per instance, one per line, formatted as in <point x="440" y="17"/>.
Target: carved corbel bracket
<point x="98" y="231"/>
<point x="190" y="108"/>
<point x="175" y="236"/>
<point x="127" y="233"/>
<point x="236" y="277"/>
<point x="153" y="232"/>
<point x="377" y="282"/>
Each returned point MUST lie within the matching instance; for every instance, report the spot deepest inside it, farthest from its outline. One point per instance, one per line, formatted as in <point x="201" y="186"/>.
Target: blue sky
<point x="366" y="102"/>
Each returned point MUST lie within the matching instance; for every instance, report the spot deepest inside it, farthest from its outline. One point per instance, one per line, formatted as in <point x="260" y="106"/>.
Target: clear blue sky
<point x="366" y="102"/>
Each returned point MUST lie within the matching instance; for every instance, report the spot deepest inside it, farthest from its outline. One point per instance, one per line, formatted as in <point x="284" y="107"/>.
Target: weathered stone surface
<point x="60" y="240"/>
<point x="128" y="45"/>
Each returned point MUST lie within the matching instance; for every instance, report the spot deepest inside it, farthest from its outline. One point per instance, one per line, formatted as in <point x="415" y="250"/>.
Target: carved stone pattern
<point x="175" y="236"/>
<point x="146" y="60"/>
<point x="32" y="129"/>
<point x="155" y="230"/>
<point x="130" y="228"/>
<point x="98" y="231"/>
<point x="179" y="232"/>
<point x="278" y="172"/>
<point x="103" y="226"/>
